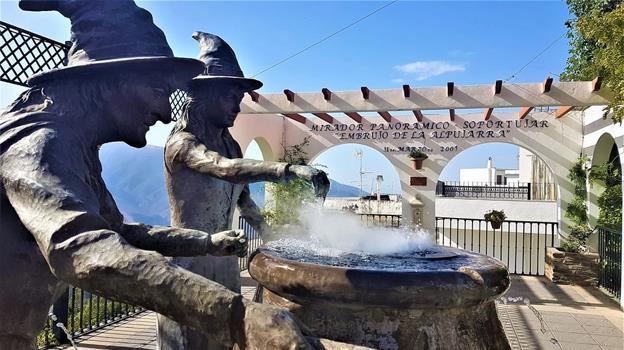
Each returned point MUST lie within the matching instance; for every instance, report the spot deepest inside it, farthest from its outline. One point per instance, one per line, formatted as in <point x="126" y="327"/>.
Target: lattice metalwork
<point x="24" y="53"/>
<point x="176" y="100"/>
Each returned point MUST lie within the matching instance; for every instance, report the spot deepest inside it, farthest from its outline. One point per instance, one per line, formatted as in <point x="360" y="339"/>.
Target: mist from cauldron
<point x="341" y="232"/>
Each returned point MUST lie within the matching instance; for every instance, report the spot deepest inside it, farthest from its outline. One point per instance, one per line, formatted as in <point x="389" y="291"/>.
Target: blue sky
<point x="422" y="43"/>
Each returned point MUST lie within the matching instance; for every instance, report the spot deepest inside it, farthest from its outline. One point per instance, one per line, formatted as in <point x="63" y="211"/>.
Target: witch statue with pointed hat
<point x="59" y="225"/>
<point x="207" y="178"/>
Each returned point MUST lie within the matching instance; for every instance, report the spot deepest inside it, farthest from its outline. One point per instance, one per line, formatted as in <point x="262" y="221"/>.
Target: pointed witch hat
<point x="220" y="63"/>
<point x="110" y="36"/>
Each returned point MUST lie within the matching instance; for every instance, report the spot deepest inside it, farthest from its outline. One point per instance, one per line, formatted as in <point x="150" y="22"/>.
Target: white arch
<point x="558" y="143"/>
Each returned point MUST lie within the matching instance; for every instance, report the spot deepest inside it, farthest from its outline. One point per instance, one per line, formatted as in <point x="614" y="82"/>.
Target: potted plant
<point x="495" y="217"/>
<point x="417" y="156"/>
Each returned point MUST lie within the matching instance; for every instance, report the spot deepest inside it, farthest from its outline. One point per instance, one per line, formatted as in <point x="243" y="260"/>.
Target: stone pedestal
<point x="580" y="269"/>
<point x="462" y="328"/>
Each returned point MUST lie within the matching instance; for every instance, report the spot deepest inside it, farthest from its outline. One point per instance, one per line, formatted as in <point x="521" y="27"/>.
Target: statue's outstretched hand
<point x="318" y="178"/>
<point x="271" y="327"/>
<point x="231" y="242"/>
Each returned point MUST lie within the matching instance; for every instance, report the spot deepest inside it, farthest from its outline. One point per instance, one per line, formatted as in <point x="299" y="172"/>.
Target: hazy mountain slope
<point x="135" y="177"/>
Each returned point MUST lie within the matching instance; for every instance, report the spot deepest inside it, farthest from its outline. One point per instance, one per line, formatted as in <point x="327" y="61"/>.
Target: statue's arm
<point x="186" y="150"/>
<point x="61" y="212"/>
<point x="174" y="241"/>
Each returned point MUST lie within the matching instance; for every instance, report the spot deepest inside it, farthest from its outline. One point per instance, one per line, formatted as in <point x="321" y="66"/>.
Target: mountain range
<point x="135" y="178"/>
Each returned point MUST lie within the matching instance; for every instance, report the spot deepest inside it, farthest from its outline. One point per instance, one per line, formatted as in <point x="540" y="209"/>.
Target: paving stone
<point x="578" y="338"/>
<point x="598" y="321"/>
<point x="567" y="327"/>
<point x="573" y="346"/>
<point x="608" y="340"/>
<point x="598" y="330"/>
<point x="565" y="320"/>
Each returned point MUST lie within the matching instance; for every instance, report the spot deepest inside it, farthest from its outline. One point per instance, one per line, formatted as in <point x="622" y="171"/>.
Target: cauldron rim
<point x="482" y="280"/>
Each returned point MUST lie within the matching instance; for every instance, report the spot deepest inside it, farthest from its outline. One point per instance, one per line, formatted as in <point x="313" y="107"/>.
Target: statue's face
<point x="140" y="107"/>
<point x="222" y="104"/>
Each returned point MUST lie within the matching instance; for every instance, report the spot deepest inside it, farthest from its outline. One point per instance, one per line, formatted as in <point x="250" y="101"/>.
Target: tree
<point x="596" y="35"/>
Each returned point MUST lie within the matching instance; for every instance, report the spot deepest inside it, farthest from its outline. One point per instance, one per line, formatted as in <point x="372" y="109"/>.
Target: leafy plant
<point x="287" y="198"/>
<point x="610" y="200"/>
<point x="576" y="211"/>
<point x="495" y="216"/>
<point x="415" y="153"/>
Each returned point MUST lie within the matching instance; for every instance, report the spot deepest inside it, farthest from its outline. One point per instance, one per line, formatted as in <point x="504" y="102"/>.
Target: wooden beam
<point x="326" y="117"/>
<point x="365" y="92"/>
<point x="418" y="114"/>
<point x="546" y="85"/>
<point x="480" y="97"/>
<point x="596" y="84"/>
<point x="355" y="116"/>
<point x="386" y="116"/>
<point x="524" y="111"/>
<point x="450" y="86"/>
<point x="452" y="114"/>
<point x="296" y="116"/>
<point x="488" y="113"/>
<point x="406" y="91"/>
<point x="289" y="95"/>
<point x="254" y="95"/>
<point x="326" y="94"/>
<point x="563" y="110"/>
<point x="498" y="86"/>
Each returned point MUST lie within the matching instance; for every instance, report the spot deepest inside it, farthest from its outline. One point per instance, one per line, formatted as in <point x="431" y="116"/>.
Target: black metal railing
<point x="521" y="245"/>
<point x="386" y="220"/>
<point x="254" y="242"/>
<point x="81" y="313"/>
<point x="610" y="250"/>
<point x="518" y="191"/>
<point x="484" y="190"/>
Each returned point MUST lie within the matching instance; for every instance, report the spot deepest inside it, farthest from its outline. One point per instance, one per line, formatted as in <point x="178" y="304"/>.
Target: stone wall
<point x="572" y="268"/>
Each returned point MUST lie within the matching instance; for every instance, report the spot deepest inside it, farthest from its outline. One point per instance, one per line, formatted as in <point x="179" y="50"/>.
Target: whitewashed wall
<point x="514" y="209"/>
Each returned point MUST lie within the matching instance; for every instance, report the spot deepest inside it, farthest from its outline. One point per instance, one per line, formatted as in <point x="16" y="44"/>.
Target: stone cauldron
<point x="442" y="300"/>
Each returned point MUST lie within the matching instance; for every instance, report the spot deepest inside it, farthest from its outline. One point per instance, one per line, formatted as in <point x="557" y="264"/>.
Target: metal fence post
<point x="529" y="191"/>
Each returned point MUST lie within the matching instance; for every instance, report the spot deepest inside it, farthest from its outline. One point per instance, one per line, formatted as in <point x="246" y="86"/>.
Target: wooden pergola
<point x="566" y="96"/>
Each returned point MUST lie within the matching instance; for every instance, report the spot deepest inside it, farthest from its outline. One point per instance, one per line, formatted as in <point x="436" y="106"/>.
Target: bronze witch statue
<point x="207" y="178"/>
<point x="59" y="224"/>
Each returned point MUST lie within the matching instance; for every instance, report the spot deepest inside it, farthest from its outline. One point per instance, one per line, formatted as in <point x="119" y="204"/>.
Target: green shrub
<point x="576" y="211"/>
<point x="610" y="200"/>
